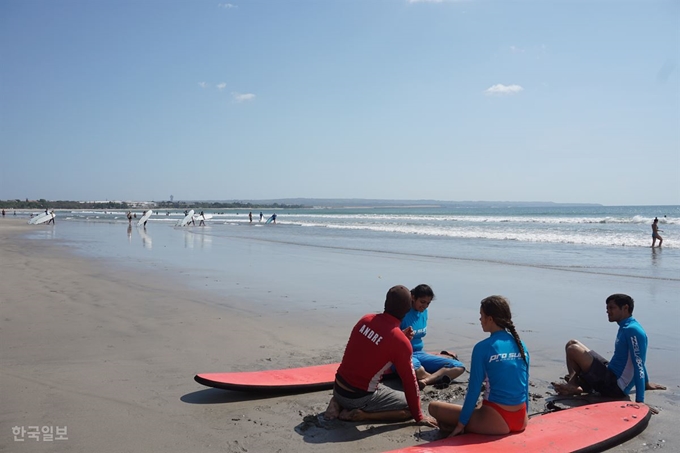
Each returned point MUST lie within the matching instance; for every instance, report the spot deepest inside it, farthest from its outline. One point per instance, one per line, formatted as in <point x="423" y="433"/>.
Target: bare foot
<point x="566" y="389"/>
<point x="355" y="415"/>
<point x="653" y="386"/>
<point x="421" y="384"/>
<point x="453" y="355"/>
<point x="333" y="410"/>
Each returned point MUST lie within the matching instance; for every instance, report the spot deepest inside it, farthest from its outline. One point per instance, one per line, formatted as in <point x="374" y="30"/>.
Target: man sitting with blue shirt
<point x="616" y="378"/>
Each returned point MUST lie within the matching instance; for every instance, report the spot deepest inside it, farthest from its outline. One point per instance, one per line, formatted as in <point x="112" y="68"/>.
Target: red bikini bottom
<point x="515" y="420"/>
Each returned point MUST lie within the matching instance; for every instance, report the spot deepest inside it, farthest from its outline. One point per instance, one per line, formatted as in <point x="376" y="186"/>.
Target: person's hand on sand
<point x="459" y="429"/>
<point x="654" y="386"/>
<point x="428" y="421"/>
<point x="409" y="332"/>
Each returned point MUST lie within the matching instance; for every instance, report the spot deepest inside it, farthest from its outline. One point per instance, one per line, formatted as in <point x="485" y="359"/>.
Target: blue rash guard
<point x="630" y="354"/>
<point x="498" y="363"/>
<point x="417" y="320"/>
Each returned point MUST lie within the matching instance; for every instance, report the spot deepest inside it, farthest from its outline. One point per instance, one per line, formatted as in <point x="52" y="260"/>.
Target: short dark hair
<point x="622" y="299"/>
<point x="398" y="301"/>
<point x="422" y="290"/>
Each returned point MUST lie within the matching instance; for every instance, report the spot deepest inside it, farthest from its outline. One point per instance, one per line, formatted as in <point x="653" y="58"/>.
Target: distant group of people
<point x="392" y="341"/>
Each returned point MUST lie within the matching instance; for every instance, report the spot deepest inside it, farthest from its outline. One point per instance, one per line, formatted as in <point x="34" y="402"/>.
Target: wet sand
<point x="110" y="353"/>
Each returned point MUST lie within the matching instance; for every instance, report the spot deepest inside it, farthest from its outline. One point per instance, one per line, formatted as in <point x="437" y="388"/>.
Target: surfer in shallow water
<point x="655" y="232"/>
<point x="501" y="362"/>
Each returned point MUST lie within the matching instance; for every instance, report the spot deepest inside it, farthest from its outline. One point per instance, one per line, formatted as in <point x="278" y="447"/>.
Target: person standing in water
<point x="655" y="232"/>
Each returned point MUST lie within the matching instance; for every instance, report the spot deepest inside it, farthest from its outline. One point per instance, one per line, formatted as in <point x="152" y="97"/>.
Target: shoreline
<point x="111" y="353"/>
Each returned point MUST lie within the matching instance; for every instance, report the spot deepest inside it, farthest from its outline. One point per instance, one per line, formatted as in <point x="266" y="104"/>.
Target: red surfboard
<point x="307" y="379"/>
<point x="590" y="428"/>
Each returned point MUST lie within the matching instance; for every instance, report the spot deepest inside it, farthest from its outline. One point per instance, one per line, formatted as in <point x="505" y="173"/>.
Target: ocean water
<point x="592" y="239"/>
<point x="557" y="265"/>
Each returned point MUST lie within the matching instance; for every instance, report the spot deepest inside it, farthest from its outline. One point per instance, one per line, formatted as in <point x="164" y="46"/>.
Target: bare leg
<point x="446" y="414"/>
<point x="452" y="373"/>
<point x="579" y="360"/>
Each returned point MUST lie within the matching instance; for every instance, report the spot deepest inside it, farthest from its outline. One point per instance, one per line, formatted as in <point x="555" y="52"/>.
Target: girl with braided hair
<point x="501" y="362"/>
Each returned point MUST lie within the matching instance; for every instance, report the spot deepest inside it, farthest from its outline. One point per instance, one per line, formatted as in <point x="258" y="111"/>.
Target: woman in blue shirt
<point x="501" y="362"/>
<point x="430" y="368"/>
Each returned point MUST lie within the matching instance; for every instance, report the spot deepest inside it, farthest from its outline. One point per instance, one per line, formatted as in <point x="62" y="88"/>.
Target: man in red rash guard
<point x="375" y="344"/>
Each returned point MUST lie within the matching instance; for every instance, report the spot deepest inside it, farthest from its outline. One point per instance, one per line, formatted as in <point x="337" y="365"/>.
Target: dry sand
<point x="110" y="354"/>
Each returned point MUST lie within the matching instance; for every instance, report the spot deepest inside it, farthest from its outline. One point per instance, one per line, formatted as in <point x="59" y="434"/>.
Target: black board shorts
<point x="600" y="378"/>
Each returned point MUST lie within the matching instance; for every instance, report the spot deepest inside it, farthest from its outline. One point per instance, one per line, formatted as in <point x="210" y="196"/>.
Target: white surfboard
<point x="34" y="219"/>
<point x="186" y="219"/>
<point x="145" y="217"/>
<point x="197" y="217"/>
<point x="45" y="218"/>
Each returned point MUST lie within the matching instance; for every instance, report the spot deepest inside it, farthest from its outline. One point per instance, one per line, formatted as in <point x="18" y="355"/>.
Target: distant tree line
<point x="218" y="205"/>
<point x="60" y="204"/>
<point x="63" y="204"/>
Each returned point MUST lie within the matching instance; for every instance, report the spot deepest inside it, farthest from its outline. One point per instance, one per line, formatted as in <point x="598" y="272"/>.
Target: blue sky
<point x="564" y="101"/>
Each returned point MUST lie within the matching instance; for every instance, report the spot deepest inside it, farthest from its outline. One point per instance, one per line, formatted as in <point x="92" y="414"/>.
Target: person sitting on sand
<point x="655" y="232"/>
<point x="502" y="363"/>
<point x="376" y="342"/>
<point x="430" y="368"/>
<point x="588" y="370"/>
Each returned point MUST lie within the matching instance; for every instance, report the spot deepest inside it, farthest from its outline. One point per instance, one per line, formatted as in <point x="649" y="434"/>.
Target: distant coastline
<point x="283" y="203"/>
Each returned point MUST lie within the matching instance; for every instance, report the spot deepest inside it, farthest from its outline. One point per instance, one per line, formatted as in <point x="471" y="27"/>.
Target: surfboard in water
<point x="306" y="379"/>
<point x="45" y="218"/>
<point x="589" y="428"/>
<point x="33" y="220"/>
<point x="145" y="217"/>
<point x="197" y="217"/>
<point x="187" y="218"/>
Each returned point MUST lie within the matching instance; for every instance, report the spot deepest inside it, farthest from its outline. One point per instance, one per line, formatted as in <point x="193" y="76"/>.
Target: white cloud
<point x="501" y="89"/>
<point x="243" y="97"/>
<point x="202" y="84"/>
<point x="221" y="86"/>
<point x="226" y="5"/>
<point x="515" y="49"/>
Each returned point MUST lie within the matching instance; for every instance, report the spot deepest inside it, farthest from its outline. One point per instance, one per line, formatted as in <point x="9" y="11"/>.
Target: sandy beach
<point x="110" y="352"/>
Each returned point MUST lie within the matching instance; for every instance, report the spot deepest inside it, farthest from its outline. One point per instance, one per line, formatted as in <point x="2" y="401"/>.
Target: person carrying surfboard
<point x="501" y="362"/>
<point x="377" y="342"/>
<point x="430" y="368"/>
<point x="588" y="370"/>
